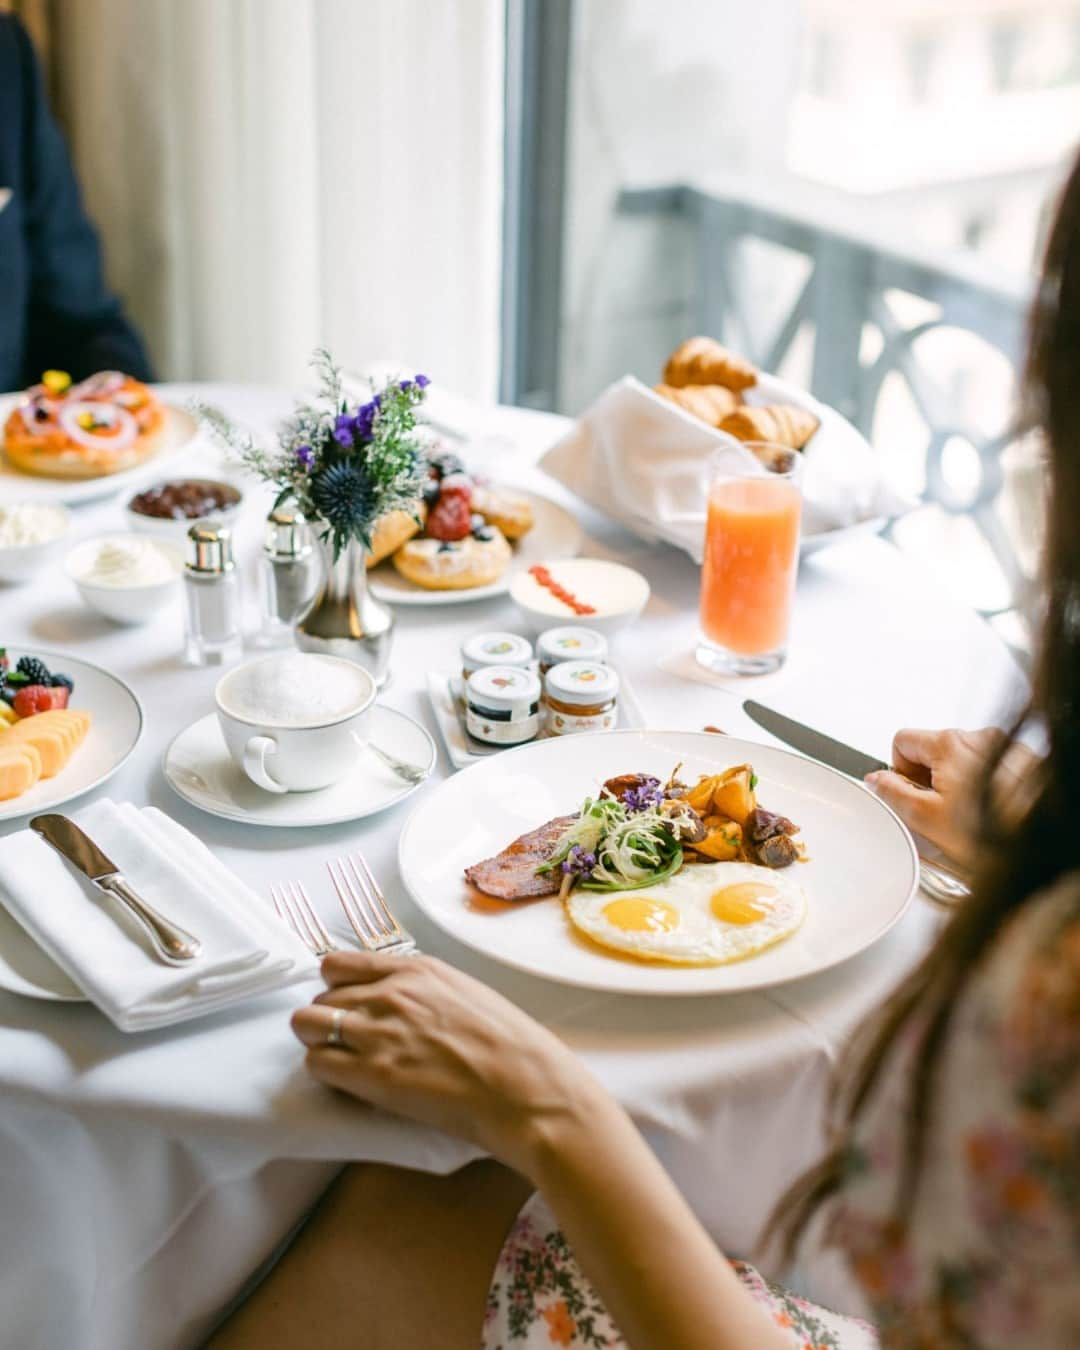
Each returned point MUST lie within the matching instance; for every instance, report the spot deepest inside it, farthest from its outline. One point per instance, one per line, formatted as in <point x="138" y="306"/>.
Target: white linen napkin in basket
<point x="246" y="950"/>
<point x="646" y="462"/>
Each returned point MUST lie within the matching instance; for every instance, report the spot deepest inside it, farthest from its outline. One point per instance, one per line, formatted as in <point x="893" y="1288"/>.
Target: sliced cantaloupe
<point x="53" y="745"/>
<point x="20" y="769"/>
<point x="54" y="737"/>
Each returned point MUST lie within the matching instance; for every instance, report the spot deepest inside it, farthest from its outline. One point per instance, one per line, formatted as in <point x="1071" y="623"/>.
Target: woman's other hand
<point x="933" y="785"/>
<point x="429" y="1042"/>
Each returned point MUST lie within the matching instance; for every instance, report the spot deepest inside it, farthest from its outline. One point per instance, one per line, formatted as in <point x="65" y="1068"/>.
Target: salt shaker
<point x="285" y="575"/>
<point x="211" y="597"/>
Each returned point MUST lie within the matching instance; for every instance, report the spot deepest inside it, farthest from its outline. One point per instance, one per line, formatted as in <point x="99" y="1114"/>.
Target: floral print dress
<point x="990" y="1255"/>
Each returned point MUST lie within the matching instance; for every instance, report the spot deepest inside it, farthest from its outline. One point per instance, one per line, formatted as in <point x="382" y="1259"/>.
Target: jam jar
<point x="502" y="705"/>
<point x="569" y="643"/>
<point x="494" y="649"/>
<point x="581" y="696"/>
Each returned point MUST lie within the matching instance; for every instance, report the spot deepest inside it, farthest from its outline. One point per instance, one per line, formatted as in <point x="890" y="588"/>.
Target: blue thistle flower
<point x="344" y="497"/>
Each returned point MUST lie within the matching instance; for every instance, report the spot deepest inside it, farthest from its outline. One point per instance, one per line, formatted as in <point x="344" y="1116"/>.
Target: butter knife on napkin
<point x="171" y="943"/>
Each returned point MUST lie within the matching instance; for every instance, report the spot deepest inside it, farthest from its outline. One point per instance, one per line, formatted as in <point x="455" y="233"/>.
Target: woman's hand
<point x="429" y="1042"/>
<point x="933" y="785"/>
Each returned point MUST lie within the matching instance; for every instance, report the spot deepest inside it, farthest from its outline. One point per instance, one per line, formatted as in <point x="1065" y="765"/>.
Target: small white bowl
<point x="175" y="530"/>
<point x="127" y="604"/>
<point x="22" y="562"/>
<point x="617" y="593"/>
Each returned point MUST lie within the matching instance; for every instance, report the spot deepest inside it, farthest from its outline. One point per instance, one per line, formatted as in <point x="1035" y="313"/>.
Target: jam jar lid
<point x="495" y="649"/>
<point x="504" y="689"/>
<point x="571" y="642"/>
<point x="581" y="683"/>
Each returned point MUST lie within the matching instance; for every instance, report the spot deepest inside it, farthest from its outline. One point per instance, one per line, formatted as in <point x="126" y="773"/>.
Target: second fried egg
<point x="705" y="915"/>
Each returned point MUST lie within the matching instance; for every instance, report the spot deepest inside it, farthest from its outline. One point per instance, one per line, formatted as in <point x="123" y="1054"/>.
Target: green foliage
<point x="345" y="468"/>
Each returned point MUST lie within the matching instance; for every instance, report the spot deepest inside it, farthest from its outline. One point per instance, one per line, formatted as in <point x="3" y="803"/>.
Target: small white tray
<point x="444" y="690"/>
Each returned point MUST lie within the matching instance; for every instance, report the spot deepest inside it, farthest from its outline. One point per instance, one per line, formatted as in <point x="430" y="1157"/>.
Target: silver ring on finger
<point x="334" y="1036"/>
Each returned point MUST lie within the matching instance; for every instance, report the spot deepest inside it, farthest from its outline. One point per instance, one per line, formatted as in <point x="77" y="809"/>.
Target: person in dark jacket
<point x="55" y="309"/>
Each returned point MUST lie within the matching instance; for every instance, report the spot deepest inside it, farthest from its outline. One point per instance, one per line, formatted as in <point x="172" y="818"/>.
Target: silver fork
<point x="295" y="908"/>
<point x="365" y="907"/>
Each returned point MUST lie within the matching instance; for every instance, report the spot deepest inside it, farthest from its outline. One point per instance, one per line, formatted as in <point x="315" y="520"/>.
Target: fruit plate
<point x="15" y="486"/>
<point x="555" y="534"/>
<point x="861" y="877"/>
<point x="114" y="732"/>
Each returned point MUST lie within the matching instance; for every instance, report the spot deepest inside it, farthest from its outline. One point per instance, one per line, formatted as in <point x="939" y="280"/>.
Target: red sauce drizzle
<point x="544" y="578"/>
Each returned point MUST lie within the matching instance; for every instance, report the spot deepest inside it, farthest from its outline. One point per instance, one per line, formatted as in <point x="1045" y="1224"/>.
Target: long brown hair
<point x="1019" y="857"/>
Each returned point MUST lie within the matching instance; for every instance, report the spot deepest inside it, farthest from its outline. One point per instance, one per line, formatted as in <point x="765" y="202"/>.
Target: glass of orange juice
<point x="751" y="558"/>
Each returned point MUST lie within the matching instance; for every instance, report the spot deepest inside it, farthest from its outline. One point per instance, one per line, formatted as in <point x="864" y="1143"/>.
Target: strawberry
<point x="457" y="485"/>
<point x="36" y="698"/>
<point x="451" y="519"/>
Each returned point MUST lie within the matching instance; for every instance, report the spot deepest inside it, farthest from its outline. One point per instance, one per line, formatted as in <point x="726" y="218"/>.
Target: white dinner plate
<point x="555" y="534"/>
<point x="115" y="728"/>
<point x="200" y="769"/>
<point x="861" y="877"/>
<point x="15" y="486"/>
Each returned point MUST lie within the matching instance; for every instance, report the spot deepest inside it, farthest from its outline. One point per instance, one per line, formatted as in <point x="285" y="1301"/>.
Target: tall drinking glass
<point x="751" y="558"/>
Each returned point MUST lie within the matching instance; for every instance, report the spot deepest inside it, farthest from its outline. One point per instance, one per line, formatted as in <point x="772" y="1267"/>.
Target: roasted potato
<point x="726" y="794"/>
<point x="723" y="839"/>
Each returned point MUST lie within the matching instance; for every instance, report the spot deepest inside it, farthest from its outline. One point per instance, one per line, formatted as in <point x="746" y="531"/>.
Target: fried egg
<point x="705" y="915"/>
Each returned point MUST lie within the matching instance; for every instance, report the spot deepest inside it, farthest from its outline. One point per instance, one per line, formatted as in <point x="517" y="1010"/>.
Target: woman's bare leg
<point x="390" y="1260"/>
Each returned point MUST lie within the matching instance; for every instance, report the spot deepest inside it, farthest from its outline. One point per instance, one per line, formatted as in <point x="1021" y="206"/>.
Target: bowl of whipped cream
<point x="126" y="577"/>
<point x="31" y="535"/>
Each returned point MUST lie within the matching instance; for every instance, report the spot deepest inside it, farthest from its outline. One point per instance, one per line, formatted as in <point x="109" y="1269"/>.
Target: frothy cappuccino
<point x="295" y="689"/>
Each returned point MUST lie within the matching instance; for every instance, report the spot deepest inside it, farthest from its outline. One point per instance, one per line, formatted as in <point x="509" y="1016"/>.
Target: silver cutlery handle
<point x="411" y="773"/>
<point x="175" y="945"/>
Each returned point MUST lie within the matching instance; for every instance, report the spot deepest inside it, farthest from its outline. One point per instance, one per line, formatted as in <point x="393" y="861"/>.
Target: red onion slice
<point x="37" y="398"/>
<point x="124" y="435"/>
<point x="101" y="385"/>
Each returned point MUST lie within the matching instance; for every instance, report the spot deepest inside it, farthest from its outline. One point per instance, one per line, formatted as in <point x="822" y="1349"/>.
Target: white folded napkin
<point x="246" y="949"/>
<point x="646" y="462"/>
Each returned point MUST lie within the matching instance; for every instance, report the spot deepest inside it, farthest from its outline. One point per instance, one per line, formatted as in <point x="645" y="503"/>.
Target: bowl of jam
<point x="170" y="508"/>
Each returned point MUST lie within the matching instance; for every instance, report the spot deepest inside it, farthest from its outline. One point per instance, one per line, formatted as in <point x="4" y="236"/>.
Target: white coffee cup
<point x="279" y="747"/>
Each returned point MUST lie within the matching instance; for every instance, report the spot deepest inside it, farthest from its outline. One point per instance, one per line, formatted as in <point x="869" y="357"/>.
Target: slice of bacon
<point x="511" y="874"/>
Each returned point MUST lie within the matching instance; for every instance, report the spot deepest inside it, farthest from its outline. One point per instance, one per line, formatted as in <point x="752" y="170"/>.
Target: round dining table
<point x="144" y="1176"/>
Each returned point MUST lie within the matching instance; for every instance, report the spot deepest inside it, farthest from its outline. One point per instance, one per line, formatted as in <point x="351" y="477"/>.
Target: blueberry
<point x="447" y="546"/>
<point x="431" y="492"/>
<point x="446" y="463"/>
<point x="64" y="681"/>
<point x="485" y="533"/>
<point x="476" y="522"/>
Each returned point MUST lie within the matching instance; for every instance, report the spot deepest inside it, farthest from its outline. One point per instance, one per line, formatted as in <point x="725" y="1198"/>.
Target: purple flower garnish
<point x="305" y="455"/>
<point x="364" y="420"/>
<point x="421" y="381"/>
<point x="344" y="430"/>
<point x="577" y="862"/>
<point x="643" y="798"/>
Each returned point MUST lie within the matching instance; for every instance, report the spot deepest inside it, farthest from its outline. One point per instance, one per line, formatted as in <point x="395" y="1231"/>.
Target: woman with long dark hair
<point x="952" y="1187"/>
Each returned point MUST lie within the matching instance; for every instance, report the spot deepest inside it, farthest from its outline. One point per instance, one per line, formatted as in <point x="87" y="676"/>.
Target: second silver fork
<point x="365" y="907"/>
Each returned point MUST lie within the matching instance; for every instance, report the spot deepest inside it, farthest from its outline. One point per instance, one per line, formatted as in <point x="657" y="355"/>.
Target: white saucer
<point x="199" y="768"/>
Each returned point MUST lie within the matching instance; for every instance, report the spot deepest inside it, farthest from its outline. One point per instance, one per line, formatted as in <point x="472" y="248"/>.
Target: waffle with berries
<point x="467" y="529"/>
<point x="102" y="425"/>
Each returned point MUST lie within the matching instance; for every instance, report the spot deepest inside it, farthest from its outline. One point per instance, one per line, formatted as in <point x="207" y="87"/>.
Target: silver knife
<point x="816" y="744"/>
<point x="173" y="944"/>
<point x="944" y="885"/>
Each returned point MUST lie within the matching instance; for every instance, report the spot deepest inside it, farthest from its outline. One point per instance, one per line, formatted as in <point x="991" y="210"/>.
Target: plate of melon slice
<point x="49" y="757"/>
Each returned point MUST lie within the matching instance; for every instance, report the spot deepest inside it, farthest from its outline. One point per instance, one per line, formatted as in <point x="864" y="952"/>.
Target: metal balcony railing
<point x="851" y="284"/>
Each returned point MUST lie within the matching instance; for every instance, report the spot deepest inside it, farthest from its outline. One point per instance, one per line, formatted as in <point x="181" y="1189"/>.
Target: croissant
<point x="782" y="424"/>
<point x="702" y="360"/>
<point x="710" y="402"/>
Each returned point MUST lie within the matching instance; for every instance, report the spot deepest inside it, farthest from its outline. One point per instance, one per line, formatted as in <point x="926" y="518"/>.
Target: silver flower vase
<point x="345" y="619"/>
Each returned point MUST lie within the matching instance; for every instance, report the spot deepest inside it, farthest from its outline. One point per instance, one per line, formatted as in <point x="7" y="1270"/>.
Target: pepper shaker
<point x="211" y="597"/>
<point x="286" y="575"/>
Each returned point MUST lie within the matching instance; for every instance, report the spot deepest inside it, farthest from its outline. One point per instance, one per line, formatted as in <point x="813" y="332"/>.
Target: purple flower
<point x="344" y="430"/>
<point x="405" y="385"/>
<point x="642" y="798"/>
<point x="577" y="862"/>
<point x="364" y="420"/>
<point x="422" y="381"/>
<point x="305" y="455"/>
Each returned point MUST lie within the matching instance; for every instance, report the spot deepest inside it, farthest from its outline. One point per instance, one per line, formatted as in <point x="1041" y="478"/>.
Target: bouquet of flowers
<point x="344" y="468"/>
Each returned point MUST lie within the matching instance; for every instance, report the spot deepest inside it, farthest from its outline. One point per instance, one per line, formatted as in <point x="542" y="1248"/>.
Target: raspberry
<point x="37" y="698"/>
<point x="450" y="519"/>
<point x="35" y="670"/>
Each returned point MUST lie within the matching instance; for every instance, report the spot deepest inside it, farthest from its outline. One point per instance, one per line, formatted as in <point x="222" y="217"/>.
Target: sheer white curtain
<point x="270" y="175"/>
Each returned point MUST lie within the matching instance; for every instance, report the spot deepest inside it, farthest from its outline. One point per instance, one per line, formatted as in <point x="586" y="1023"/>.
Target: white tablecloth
<point x="143" y="1177"/>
